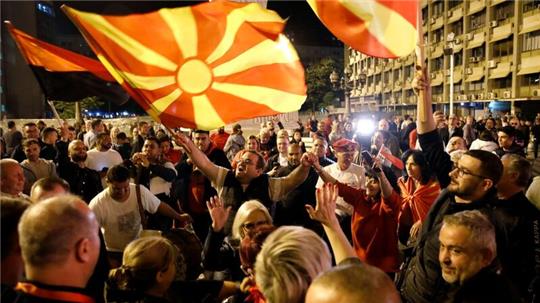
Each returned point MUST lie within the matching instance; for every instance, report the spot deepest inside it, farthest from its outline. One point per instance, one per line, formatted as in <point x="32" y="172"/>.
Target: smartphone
<point x="367" y="158"/>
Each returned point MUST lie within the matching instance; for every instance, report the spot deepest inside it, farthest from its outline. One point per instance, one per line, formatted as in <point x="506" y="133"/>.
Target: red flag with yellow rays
<point x="378" y="28"/>
<point x="202" y="66"/>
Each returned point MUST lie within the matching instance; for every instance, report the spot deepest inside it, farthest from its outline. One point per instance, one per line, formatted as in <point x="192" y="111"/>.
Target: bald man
<point x="48" y="187"/>
<point x="353" y="283"/>
<point x="12" y="179"/>
<point x="60" y="248"/>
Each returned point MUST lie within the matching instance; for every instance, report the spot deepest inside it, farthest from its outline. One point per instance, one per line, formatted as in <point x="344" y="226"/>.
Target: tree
<point x="66" y="110"/>
<point x="320" y="93"/>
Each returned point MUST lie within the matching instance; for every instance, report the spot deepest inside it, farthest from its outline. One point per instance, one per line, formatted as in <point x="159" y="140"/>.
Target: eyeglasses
<point x="461" y="172"/>
<point x="252" y="225"/>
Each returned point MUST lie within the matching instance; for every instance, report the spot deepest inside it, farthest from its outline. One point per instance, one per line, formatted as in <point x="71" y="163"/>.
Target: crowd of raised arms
<point x="426" y="209"/>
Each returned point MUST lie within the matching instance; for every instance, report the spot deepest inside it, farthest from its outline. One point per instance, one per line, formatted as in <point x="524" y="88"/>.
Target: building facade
<point x="495" y="45"/>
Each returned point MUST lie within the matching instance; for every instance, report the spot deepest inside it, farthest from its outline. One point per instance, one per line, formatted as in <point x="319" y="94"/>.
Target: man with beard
<point x="469" y="185"/>
<point x="247" y="181"/>
<point x="102" y="156"/>
<point x="291" y="210"/>
<point x="35" y="167"/>
<point x="83" y="181"/>
<point x="30" y="131"/>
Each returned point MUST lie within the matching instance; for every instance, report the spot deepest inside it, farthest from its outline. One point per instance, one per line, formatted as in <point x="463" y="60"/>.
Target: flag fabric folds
<point x="378" y="28"/>
<point x="64" y="75"/>
<point x="202" y="66"/>
<point x="388" y="159"/>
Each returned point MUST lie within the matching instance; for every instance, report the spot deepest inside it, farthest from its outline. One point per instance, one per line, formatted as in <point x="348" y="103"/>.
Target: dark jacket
<point x="220" y="253"/>
<point x="484" y="287"/>
<point x="519" y="246"/>
<point x="421" y="279"/>
<point x="83" y="182"/>
<point x="514" y="149"/>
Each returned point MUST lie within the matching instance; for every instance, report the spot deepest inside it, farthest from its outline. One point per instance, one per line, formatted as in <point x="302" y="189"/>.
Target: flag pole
<point x="56" y="115"/>
<point x="420" y="64"/>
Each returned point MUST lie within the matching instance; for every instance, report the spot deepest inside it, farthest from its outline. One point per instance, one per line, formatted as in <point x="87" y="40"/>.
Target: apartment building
<point x="495" y="45"/>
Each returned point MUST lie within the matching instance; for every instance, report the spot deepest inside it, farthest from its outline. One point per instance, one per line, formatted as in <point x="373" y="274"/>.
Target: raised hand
<point x="325" y="209"/>
<point x="218" y="213"/>
<point x="182" y="140"/>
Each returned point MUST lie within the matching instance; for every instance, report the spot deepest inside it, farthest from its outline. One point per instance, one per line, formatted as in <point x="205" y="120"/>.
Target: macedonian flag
<point x="378" y="28"/>
<point x="202" y="66"/>
<point x="64" y="75"/>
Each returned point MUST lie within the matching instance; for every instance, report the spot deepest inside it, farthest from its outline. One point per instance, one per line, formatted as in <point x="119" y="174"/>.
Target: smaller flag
<point x="64" y="75"/>
<point x="378" y="28"/>
<point x="388" y="159"/>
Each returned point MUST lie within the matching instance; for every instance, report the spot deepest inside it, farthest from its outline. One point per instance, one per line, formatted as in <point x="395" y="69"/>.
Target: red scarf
<point x="416" y="201"/>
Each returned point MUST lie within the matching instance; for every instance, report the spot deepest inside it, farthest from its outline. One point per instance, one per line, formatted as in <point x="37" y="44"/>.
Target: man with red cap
<point x="346" y="172"/>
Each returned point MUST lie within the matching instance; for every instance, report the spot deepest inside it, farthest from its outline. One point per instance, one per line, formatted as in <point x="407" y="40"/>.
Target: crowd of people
<point x="432" y="209"/>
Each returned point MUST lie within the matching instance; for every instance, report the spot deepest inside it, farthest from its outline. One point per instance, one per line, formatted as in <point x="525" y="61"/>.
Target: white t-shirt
<point x="158" y="185"/>
<point x="354" y="176"/>
<point x="121" y="221"/>
<point x="98" y="160"/>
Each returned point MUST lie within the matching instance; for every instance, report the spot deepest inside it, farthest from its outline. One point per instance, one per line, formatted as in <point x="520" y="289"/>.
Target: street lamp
<point x="449" y="50"/>
<point x="340" y="83"/>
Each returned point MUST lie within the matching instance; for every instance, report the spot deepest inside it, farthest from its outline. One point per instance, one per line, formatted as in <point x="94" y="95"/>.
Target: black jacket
<point x="83" y="182"/>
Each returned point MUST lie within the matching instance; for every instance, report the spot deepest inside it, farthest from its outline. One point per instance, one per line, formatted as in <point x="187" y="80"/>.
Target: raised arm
<point x="425" y="121"/>
<point x="325" y="176"/>
<point x="299" y="174"/>
<point x="325" y="212"/>
<point x="198" y="157"/>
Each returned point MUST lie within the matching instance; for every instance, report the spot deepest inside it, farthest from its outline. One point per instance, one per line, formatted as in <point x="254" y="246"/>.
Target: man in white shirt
<point x="117" y="209"/>
<point x="345" y="171"/>
<point x="102" y="156"/>
<point x="91" y="136"/>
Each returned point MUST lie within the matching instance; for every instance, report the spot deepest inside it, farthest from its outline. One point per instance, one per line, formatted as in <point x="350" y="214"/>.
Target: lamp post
<point x="449" y="50"/>
<point x="340" y="83"/>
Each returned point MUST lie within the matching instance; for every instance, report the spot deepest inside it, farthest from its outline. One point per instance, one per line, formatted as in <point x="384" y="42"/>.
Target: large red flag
<point x="378" y="28"/>
<point x="201" y="66"/>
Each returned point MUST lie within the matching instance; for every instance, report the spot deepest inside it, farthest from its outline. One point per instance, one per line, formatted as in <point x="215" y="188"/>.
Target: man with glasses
<point x="467" y="186"/>
<point x="247" y="181"/>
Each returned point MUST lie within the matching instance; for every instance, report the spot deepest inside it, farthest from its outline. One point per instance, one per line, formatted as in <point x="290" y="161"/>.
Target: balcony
<point x="476" y="6"/>
<point x="530" y="24"/>
<point x="529" y="65"/>
<point x="397" y="85"/>
<point x="502" y="70"/>
<point x="501" y="32"/>
<point x="495" y="2"/>
<point x="438" y="23"/>
<point x="456" y="14"/>
<point x="458" y="74"/>
<point x="477" y="39"/>
<point x="474" y="73"/>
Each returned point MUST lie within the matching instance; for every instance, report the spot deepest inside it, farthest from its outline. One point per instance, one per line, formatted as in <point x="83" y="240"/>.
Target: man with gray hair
<point x="467" y="249"/>
<point x="60" y="248"/>
<point x="519" y="252"/>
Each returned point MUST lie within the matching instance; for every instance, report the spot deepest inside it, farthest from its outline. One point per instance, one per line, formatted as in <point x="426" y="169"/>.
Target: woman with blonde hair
<point x="148" y="270"/>
<point x="220" y="252"/>
<point x="291" y="257"/>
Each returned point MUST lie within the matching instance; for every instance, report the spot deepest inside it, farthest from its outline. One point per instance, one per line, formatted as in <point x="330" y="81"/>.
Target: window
<point x="503" y="47"/>
<point x="437" y="64"/>
<point x="424" y="15"/>
<point x="478" y="20"/>
<point x="476" y="85"/>
<point x="408" y="72"/>
<point x="458" y="58"/>
<point x="531" y="80"/>
<point x="531" y="41"/>
<point x="530" y="5"/>
<point x="453" y="3"/>
<point x="397" y="73"/>
<point x="438" y="35"/>
<point x="437" y="9"/>
<point x="504" y="11"/>
<point x="457" y="28"/>
<point x="503" y="82"/>
<point x="478" y="52"/>
<point x="458" y="87"/>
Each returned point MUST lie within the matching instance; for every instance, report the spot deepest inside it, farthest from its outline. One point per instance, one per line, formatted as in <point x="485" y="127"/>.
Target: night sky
<point x="303" y="27"/>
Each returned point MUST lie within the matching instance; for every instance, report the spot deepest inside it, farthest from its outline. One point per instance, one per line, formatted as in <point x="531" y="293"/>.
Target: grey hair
<point x="482" y="231"/>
